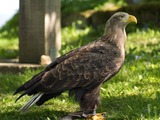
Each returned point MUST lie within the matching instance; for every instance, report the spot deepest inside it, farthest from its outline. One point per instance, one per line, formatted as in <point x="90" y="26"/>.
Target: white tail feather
<point x="31" y="102"/>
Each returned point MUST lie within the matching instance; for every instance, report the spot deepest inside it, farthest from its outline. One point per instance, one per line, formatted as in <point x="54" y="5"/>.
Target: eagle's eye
<point x="120" y="17"/>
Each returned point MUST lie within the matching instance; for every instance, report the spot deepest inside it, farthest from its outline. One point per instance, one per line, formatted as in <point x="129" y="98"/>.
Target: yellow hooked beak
<point x="132" y="18"/>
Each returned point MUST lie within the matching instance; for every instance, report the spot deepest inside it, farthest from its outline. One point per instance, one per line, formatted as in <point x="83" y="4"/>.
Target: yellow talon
<point x="98" y="116"/>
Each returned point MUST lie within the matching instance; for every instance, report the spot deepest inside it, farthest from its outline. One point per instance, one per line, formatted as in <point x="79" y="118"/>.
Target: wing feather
<point x="81" y="68"/>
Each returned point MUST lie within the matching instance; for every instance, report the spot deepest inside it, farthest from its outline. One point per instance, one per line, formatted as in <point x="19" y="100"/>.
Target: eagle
<point x="82" y="71"/>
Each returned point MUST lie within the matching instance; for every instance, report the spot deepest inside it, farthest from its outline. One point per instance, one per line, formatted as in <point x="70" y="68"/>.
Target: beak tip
<point x="132" y="19"/>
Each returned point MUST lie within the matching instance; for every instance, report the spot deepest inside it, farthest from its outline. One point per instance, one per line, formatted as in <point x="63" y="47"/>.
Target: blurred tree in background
<point x="10" y="29"/>
<point x="69" y="7"/>
<point x="82" y="5"/>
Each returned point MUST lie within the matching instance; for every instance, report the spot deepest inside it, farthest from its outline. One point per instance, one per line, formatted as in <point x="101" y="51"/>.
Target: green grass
<point x="8" y="48"/>
<point x="133" y="94"/>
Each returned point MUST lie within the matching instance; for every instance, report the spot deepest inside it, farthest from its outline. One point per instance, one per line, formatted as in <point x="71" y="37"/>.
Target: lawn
<point x="8" y="48"/>
<point x="133" y="94"/>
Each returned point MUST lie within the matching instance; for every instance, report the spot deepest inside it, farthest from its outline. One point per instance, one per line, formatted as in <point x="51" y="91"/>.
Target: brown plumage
<point x="82" y="71"/>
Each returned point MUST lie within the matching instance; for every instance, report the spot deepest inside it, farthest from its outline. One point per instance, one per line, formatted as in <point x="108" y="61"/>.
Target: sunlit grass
<point x="9" y="43"/>
<point x="8" y="48"/>
<point x="144" y="39"/>
<point x="73" y="38"/>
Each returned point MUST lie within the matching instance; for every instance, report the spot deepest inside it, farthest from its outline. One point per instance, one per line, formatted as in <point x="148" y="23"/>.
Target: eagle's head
<point x="121" y="19"/>
<point x="117" y="23"/>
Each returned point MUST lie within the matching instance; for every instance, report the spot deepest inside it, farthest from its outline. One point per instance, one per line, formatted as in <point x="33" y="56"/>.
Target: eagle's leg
<point x="87" y="113"/>
<point x="90" y="101"/>
<point x="89" y="104"/>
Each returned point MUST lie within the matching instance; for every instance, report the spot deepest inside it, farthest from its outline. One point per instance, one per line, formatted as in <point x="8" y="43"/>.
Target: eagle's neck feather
<point x="116" y="35"/>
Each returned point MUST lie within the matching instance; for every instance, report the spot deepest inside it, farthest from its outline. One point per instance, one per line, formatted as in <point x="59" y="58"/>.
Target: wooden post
<point x="39" y="30"/>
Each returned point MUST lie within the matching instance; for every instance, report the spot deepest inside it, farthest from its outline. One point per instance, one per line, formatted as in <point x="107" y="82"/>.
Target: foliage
<point x="82" y="5"/>
<point x="9" y="39"/>
<point x="10" y="29"/>
<point x="73" y="37"/>
<point x="150" y="1"/>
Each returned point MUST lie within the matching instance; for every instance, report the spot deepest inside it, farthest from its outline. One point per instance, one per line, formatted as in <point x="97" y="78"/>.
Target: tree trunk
<point x="39" y="30"/>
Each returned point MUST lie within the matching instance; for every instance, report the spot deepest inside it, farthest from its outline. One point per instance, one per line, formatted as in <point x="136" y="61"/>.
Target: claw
<point x="82" y="115"/>
<point x="98" y="116"/>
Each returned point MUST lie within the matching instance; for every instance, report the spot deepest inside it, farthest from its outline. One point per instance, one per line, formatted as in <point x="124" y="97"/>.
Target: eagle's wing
<point x="84" y="68"/>
<point x="37" y="78"/>
<point x="81" y="68"/>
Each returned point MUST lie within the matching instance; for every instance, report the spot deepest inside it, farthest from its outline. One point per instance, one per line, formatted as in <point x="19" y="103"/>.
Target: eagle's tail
<point x="31" y="102"/>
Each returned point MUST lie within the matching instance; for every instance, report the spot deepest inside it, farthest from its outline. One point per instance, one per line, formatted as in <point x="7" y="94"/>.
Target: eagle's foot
<point x="85" y="115"/>
<point x="98" y="116"/>
<point x="92" y="115"/>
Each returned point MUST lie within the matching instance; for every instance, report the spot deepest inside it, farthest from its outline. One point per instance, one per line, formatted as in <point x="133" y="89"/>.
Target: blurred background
<point x="80" y="14"/>
<point x="7" y="10"/>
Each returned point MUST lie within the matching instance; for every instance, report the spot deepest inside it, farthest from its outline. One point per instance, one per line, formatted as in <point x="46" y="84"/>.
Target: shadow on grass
<point x="9" y="82"/>
<point x="118" y="108"/>
<point x="130" y="107"/>
<point x="44" y="114"/>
